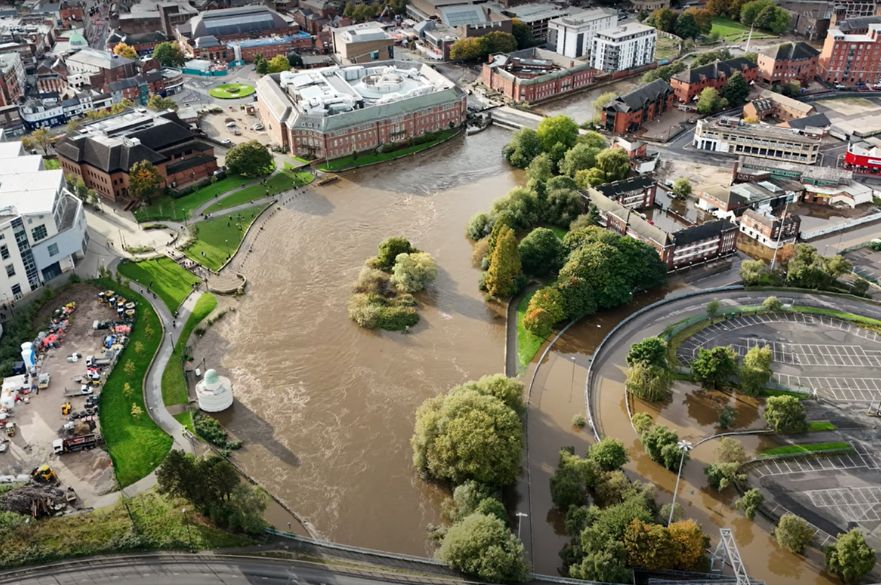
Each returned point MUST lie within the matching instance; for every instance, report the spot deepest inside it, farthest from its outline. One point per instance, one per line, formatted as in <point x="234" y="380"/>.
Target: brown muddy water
<point x="325" y="408"/>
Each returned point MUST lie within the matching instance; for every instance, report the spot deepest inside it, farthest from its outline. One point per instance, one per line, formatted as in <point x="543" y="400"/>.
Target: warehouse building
<point x="733" y="137"/>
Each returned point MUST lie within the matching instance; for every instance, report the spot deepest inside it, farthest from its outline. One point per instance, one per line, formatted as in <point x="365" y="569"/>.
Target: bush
<point x="785" y="414"/>
<point x="793" y="533"/>
<point x="541" y="252"/>
<point x="481" y="545"/>
<point x="388" y="252"/>
<point x="372" y="312"/>
<point x="749" y="502"/>
<point x="209" y="429"/>
<point x="578" y="421"/>
<point x="771" y="304"/>
<point x="545" y="310"/>
<point x="413" y="272"/>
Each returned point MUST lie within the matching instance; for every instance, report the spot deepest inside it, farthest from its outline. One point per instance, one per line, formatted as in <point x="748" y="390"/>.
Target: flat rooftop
<point x="625" y="30"/>
<point x="30" y="192"/>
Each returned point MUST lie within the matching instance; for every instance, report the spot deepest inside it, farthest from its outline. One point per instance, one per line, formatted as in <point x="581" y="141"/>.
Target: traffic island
<point x="231" y="91"/>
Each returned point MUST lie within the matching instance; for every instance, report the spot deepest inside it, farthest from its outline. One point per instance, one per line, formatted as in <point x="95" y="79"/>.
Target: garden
<point x="217" y="239"/>
<point x="277" y="183"/>
<point x="169" y="280"/>
<point x="231" y="91"/>
<point x="735" y="32"/>
<point x="174" y="382"/>
<point x="166" y="207"/>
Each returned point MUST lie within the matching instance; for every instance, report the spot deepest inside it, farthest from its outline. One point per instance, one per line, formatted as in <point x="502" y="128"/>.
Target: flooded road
<point x="325" y="408"/>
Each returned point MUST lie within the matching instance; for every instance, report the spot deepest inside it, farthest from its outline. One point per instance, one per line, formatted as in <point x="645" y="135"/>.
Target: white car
<point x="258" y="127"/>
<point x="226" y="141"/>
<point x="230" y="124"/>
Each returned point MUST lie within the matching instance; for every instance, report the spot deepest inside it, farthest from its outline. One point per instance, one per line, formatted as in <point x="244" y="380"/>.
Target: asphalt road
<point x="196" y="570"/>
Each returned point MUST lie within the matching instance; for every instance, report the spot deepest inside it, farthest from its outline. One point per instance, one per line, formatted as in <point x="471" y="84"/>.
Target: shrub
<point x="578" y="421"/>
<point x="793" y="533"/>
<point x="413" y="272"/>
<point x="388" y="251"/>
<point x="785" y="414"/>
<point x="209" y="429"/>
<point x="749" y="502"/>
<point x="481" y="545"/>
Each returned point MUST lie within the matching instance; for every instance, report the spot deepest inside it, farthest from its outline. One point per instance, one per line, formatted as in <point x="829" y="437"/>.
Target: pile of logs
<point x="33" y="500"/>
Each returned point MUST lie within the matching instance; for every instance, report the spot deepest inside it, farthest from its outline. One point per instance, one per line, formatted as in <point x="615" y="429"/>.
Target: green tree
<point x="388" y="251"/>
<point x="647" y="382"/>
<point x="755" y="272"/>
<point x="545" y="309"/>
<point x="579" y="157"/>
<point x="504" y="273"/>
<point x="662" y="19"/>
<point x="681" y="188"/>
<point x="572" y="481"/>
<point x="468" y="49"/>
<point x="278" y="64"/>
<point x="159" y="103"/>
<point x="295" y="60"/>
<point x="561" y="206"/>
<point x="613" y="163"/>
<point x="749" y="502"/>
<point x="466" y="498"/>
<point x="594" y="139"/>
<point x="709" y="101"/>
<point x="793" y="533"/>
<point x="541" y="252"/>
<point x="703" y="18"/>
<point x="39" y="138"/>
<point x="713" y="309"/>
<point x="609" y="454"/>
<point x="524" y="146"/>
<point x="482" y="546"/>
<point x="686" y="26"/>
<point x="642" y="422"/>
<point x="144" y="180"/>
<point x="578" y="297"/>
<point x="648" y="545"/>
<point x="168" y="54"/>
<point x="850" y="557"/>
<point x="756" y="370"/>
<point x="557" y="134"/>
<point x="785" y="414"/>
<point x="661" y="444"/>
<point x="497" y="42"/>
<point x="262" y="68"/>
<point x="808" y="269"/>
<point x="750" y="10"/>
<point x="126" y="51"/>
<point x="508" y="390"/>
<point x="540" y="170"/>
<point x="651" y="351"/>
<point x="772" y="18"/>
<point x="250" y="159"/>
<point x="721" y="475"/>
<point x="467" y="435"/>
<point x="736" y="89"/>
<point x="522" y="33"/>
<point x="772" y="304"/>
<point x="714" y="367"/>
<point x="413" y="272"/>
<point x="599" y="104"/>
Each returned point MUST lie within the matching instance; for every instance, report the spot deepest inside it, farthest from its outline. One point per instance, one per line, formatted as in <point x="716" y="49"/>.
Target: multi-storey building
<point x="32" y="36"/>
<point x="338" y="111"/>
<point x="50" y="110"/>
<point x="95" y="68"/>
<point x="632" y="193"/>
<point x="534" y="75"/>
<point x="766" y="193"/>
<point x="150" y="16"/>
<point x="784" y="108"/>
<point x="788" y="62"/>
<point x="72" y="14"/>
<point x="628" y="112"/>
<point x="221" y="27"/>
<point x="851" y="54"/>
<point x="649" y="5"/>
<point x="625" y="47"/>
<point x="572" y="35"/>
<point x="102" y="152"/>
<point x="756" y="140"/>
<point x="768" y="229"/>
<point x="42" y="225"/>
<point x="537" y="16"/>
<point x="362" y="43"/>
<point x="690" y="83"/>
<point x="12" y="79"/>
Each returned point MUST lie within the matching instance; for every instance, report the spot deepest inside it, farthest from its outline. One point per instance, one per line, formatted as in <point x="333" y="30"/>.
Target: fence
<point x="813" y="234"/>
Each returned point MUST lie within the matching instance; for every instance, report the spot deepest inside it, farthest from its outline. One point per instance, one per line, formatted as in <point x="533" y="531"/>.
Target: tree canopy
<point x="557" y="134"/>
<point x="482" y="545"/>
<point x="144" y="180"/>
<point x="755" y="373"/>
<point x="524" y="146"/>
<point x="503" y="277"/>
<point x="850" y="557"/>
<point x="250" y="159"/>
<point x="715" y="366"/>
<point x="785" y="414"/>
<point x="124" y="50"/>
<point x="278" y="64"/>
<point x="168" y="54"/>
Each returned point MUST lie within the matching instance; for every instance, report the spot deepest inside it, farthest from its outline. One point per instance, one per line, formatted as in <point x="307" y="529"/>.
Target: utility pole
<point x="684" y="447"/>
<point x="520" y="517"/>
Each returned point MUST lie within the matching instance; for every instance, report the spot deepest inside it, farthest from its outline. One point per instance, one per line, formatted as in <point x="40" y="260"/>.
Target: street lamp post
<point x="520" y="517"/>
<point x="186" y="518"/>
<point x="684" y="447"/>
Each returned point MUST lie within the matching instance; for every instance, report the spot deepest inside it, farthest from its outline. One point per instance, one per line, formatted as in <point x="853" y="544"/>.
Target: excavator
<point x="65" y="409"/>
<point x="44" y="474"/>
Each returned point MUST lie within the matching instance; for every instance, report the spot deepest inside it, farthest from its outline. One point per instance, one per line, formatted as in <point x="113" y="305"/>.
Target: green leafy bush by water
<point x="209" y="429"/>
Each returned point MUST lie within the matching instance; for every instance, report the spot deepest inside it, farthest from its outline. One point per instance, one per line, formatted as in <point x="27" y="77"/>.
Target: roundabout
<point x="231" y="91"/>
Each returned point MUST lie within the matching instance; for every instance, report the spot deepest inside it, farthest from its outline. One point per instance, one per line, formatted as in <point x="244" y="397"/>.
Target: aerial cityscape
<point x="440" y="291"/>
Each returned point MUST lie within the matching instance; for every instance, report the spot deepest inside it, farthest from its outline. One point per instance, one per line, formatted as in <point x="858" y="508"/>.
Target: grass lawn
<point x="232" y="91"/>
<point x="186" y="419"/>
<point x="277" y="183"/>
<point x="135" y="443"/>
<point x="366" y="158"/>
<point x="666" y="48"/>
<point x="527" y="343"/>
<point x="815" y="426"/>
<point x="168" y="279"/>
<point x="166" y="207"/>
<point x="833" y="446"/>
<point x="156" y="523"/>
<point x="218" y="238"/>
<point x="731" y="30"/>
<point x="174" y="385"/>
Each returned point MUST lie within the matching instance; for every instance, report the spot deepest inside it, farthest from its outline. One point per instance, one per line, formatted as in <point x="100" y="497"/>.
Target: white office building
<point x="42" y="225"/>
<point x="625" y="47"/>
<point x="572" y="35"/>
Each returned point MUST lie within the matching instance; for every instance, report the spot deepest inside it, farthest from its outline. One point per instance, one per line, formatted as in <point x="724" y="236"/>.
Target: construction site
<point x="50" y="460"/>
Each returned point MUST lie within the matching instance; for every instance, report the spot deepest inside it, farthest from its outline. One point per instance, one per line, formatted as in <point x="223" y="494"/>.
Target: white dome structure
<point x="214" y="392"/>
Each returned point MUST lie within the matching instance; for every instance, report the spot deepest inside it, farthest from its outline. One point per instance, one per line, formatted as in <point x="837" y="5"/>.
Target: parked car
<point x="230" y="124"/>
<point x="258" y="126"/>
<point x="226" y="141"/>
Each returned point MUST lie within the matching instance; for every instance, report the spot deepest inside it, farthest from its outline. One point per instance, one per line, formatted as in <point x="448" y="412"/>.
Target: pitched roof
<point x="714" y="70"/>
<point x="638" y="98"/>
<point x="791" y="51"/>
<point x="815" y="121"/>
<point x="626" y="185"/>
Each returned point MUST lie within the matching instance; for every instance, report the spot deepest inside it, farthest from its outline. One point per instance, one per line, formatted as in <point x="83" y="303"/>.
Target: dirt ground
<point x="40" y="421"/>
<point x="697" y="173"/>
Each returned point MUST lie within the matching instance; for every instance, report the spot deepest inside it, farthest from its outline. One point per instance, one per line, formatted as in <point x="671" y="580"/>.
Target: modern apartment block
<point x="103" y="152"/>
<point x="625" y="47"/>
<point x="537" y="16"/>
<point x="42" y="225"/>
<point x="534" y="75"/>
<point x="572" y="35"/>
<point x="333" y="112"/>
<point x="756" y="140"/>
<point x="788" y="62"/>
<point x="852" y="52"/>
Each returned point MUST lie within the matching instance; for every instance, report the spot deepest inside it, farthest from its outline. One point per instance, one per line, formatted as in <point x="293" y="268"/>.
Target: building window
<point x="10" y="270"/>
<point x="4" y="252"/>
<point x="16" y="291"/>
<point x="39" y="232"/>
<point x="53" y="249"/>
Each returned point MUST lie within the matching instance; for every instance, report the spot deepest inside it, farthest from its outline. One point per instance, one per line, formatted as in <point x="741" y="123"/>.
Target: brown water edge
<point x="325" y="408"/>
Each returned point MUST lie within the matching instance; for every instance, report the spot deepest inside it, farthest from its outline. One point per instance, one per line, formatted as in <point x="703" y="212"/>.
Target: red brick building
<point x="72" y="14"/>
<point x="535" y="75"/>
<point x="627" y="113"/>
<point x="103" y="157"/>
<point x="851" y="54"/>
<point x="788" y="62"/>
<point x="690" y="83"/>
<point x="215" y="29"/>
<point x="12" y="79"/>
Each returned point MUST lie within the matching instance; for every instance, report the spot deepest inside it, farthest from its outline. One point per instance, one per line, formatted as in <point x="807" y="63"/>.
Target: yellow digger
<point x="44" y="474"/>
<point x="65" y="409"/>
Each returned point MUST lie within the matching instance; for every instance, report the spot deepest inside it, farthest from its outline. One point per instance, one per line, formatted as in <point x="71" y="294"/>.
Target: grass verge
<point x="174" y="384"/>
<point x="156" y="523"/>
<point x="816" y="426"/>
<point x="186" y="419"/>
<point x="807" y="448"/>
<point x="527" y="343"/>
<point x="277" y="183"/>
<point x="731" y="30"/>
<point x="179" y="209"/>
<point x="868" y="322"/>
<point x="779" y="392"/>
<point x="232" y="91"/>
<point x="136" y="445"/>
<point x="218" y="238"/>
<point x="168" y="279"/>
<point x="366" y="158"/>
